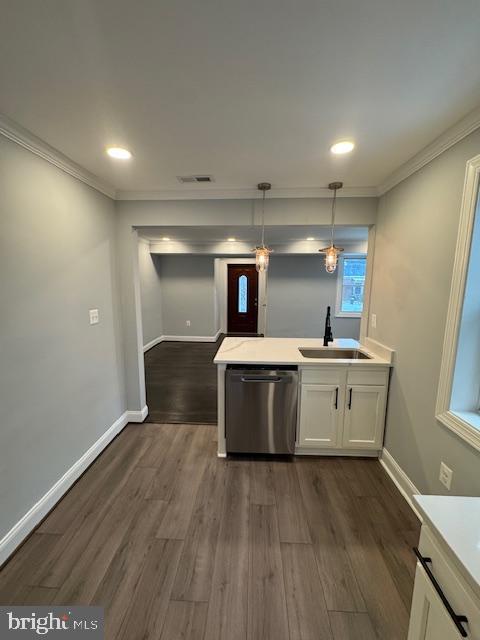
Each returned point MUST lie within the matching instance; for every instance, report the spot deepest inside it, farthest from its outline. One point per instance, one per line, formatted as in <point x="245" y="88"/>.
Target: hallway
<point x="181" y="382"/>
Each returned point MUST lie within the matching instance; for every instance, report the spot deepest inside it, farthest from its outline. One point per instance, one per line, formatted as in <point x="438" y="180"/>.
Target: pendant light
<point x="262" y="253"/>
<point x="331" y="252"/>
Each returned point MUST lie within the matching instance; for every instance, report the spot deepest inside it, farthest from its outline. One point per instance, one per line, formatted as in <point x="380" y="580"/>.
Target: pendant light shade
<point x="262" y="252"/>
<point x="262" y="258"/>
<point x="332" y="252"/>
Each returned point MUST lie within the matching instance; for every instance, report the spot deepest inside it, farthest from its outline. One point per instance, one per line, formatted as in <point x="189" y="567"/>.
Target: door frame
<point x="221" y="293"/>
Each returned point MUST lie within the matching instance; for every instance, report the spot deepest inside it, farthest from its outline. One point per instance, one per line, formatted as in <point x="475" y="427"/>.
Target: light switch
<point x="374" y="320"/>
<point x="94" y="318"/>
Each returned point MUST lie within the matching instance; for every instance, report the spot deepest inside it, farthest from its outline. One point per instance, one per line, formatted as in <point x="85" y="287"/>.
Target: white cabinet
<point x="429" y="620"/>
<point x="319" y="415"/>
<point x="430" y="617"/>
<point x="364" y="416"/>
<point x="342" y="408"/>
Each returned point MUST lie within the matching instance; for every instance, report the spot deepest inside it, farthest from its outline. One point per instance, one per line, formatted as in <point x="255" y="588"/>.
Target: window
<point x="351" y="285"/>
<point x="459" y="386"/>
<point x="242" y="294"/>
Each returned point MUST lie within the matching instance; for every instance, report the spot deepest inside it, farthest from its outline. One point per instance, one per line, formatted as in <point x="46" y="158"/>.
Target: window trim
<point x="465" y="425"/>
<point x="338" y="302"/>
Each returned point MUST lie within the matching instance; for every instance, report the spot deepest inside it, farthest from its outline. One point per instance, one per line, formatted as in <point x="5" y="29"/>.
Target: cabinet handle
<point x="336" y="398"/>
<point x="458" y="620"/>
<point x="350" y="398"/>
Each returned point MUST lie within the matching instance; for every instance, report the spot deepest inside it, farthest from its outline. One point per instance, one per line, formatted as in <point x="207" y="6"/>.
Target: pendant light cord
<point x="263" y="219"/>
<point x="334" y="204"/>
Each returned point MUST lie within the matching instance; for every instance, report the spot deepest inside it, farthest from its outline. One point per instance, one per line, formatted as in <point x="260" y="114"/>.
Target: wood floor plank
<point x="146" y="614"/>
<point x="386" y="609"/>
<point x="394" y="545"/>
<point x="91" y="565"/>
<point x="185" y="621"/>
<point x="160" y="450"/>
<point x="20" y="570"/>
<point x="105" y="477"/>
<point x="119" y="583"/>
<point x="227" y="611"/>
<point x="392" y="499"/>
<point x="194" y="576"/>
<point x="292" y="518"/>
<point x="167" y="473"/>
<point x="189" y="471"/>
<point x="267" y="614"/>
<point x="262" y="483"/>
<point x="36" y="596"/>
<point x="352" y="626"/>
<point x="56" y="566"/>
<point x="307" y="612"/>
<point x="341" y="589"/>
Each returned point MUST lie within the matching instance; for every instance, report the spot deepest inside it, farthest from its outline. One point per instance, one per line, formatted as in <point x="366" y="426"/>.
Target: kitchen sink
<point x="337" y="354"/>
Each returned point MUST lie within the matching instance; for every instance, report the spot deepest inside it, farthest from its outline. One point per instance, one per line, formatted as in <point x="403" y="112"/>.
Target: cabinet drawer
<point x="457" y="592"/>
<point x="323" y="375"/>
<point x="367" y="376"/>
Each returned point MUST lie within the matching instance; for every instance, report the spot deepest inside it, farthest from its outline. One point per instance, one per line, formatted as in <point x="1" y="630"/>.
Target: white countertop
<point x="457" y="521"/>
<point x="286" y="351"/>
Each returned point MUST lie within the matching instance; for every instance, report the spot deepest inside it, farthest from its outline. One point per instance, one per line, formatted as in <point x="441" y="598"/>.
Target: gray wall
<point x="188" y="293"/>
<point x="150" y="293"/>
<point x="414" y="251"/>
<point x="299" y="291"/>
<point x="61" y="380"/>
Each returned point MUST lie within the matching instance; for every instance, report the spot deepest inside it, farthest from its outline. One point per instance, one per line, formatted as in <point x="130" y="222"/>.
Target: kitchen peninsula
<point x="335" y="396"/>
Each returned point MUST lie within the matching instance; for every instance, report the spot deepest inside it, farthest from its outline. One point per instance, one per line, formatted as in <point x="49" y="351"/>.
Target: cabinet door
<point x="429" y="620"/>
<point x="319" y="415"/>
<point x="364" y="417"/>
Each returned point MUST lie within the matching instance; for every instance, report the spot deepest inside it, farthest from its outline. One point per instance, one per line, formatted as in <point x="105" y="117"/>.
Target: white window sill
<point x="345" y="314"/>
<point x="466" y="424"/>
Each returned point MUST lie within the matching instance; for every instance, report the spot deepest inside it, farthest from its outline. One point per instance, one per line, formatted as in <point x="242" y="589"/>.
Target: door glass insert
<point x="242" y="294"/>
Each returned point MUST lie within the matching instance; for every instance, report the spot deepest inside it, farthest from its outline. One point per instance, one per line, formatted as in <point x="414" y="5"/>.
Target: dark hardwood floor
<point x="181" y="382"/>
<point x="177" y="543"/>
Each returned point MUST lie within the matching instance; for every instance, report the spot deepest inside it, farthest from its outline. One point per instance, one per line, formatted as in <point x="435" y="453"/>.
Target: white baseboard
<point x="401" y="480"/>
<point x="152" y="343"/>
<point x="169" y="338"/>
<point x="35" y="515"/>
<point x="137" y="416"/>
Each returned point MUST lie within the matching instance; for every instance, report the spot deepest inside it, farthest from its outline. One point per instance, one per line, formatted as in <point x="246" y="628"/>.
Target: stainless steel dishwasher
<point x="261" y="409"/>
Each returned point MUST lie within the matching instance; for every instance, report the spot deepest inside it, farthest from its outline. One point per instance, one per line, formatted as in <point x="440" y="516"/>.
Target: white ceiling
<point x="274" y="235"/>
<point x="246" y="91"/>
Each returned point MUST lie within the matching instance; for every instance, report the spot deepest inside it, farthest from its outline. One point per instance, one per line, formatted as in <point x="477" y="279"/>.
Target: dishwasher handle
<point x="262" y="378"/>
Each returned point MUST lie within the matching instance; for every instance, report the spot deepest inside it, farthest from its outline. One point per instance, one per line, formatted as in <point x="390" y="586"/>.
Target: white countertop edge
<point x="455" y="520"/>
<point x="285" y="351"/>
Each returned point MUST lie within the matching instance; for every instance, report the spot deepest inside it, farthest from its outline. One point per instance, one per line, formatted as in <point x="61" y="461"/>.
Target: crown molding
<point x="247" y="193"/>
<point x="457" y="132"/>
<point x="29" y="141"/>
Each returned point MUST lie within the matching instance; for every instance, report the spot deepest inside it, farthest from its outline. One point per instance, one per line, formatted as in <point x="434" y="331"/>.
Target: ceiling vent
<point x="197" y="179"/>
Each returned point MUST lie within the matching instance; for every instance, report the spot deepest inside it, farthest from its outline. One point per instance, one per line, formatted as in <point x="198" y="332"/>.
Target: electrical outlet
<point x="94" y="317"/>
<point x="445" y="476"/>
<point x="374" y="320"/>
<point x="188" y="323"/>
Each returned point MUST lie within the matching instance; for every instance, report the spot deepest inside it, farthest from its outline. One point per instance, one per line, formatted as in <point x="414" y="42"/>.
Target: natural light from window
<point x="351" y="285"/>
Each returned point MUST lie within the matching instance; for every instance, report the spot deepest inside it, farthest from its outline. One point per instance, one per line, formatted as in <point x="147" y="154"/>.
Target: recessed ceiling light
<point x="345" y="146"/>
<point x="231" y="239"/>
<point x="166" y="239"/>
<point x="119" y="153"/>
<point x="310" y="239"/>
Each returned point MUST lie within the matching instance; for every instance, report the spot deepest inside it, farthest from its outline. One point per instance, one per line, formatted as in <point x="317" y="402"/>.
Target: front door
<point x="242" y="298"/>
